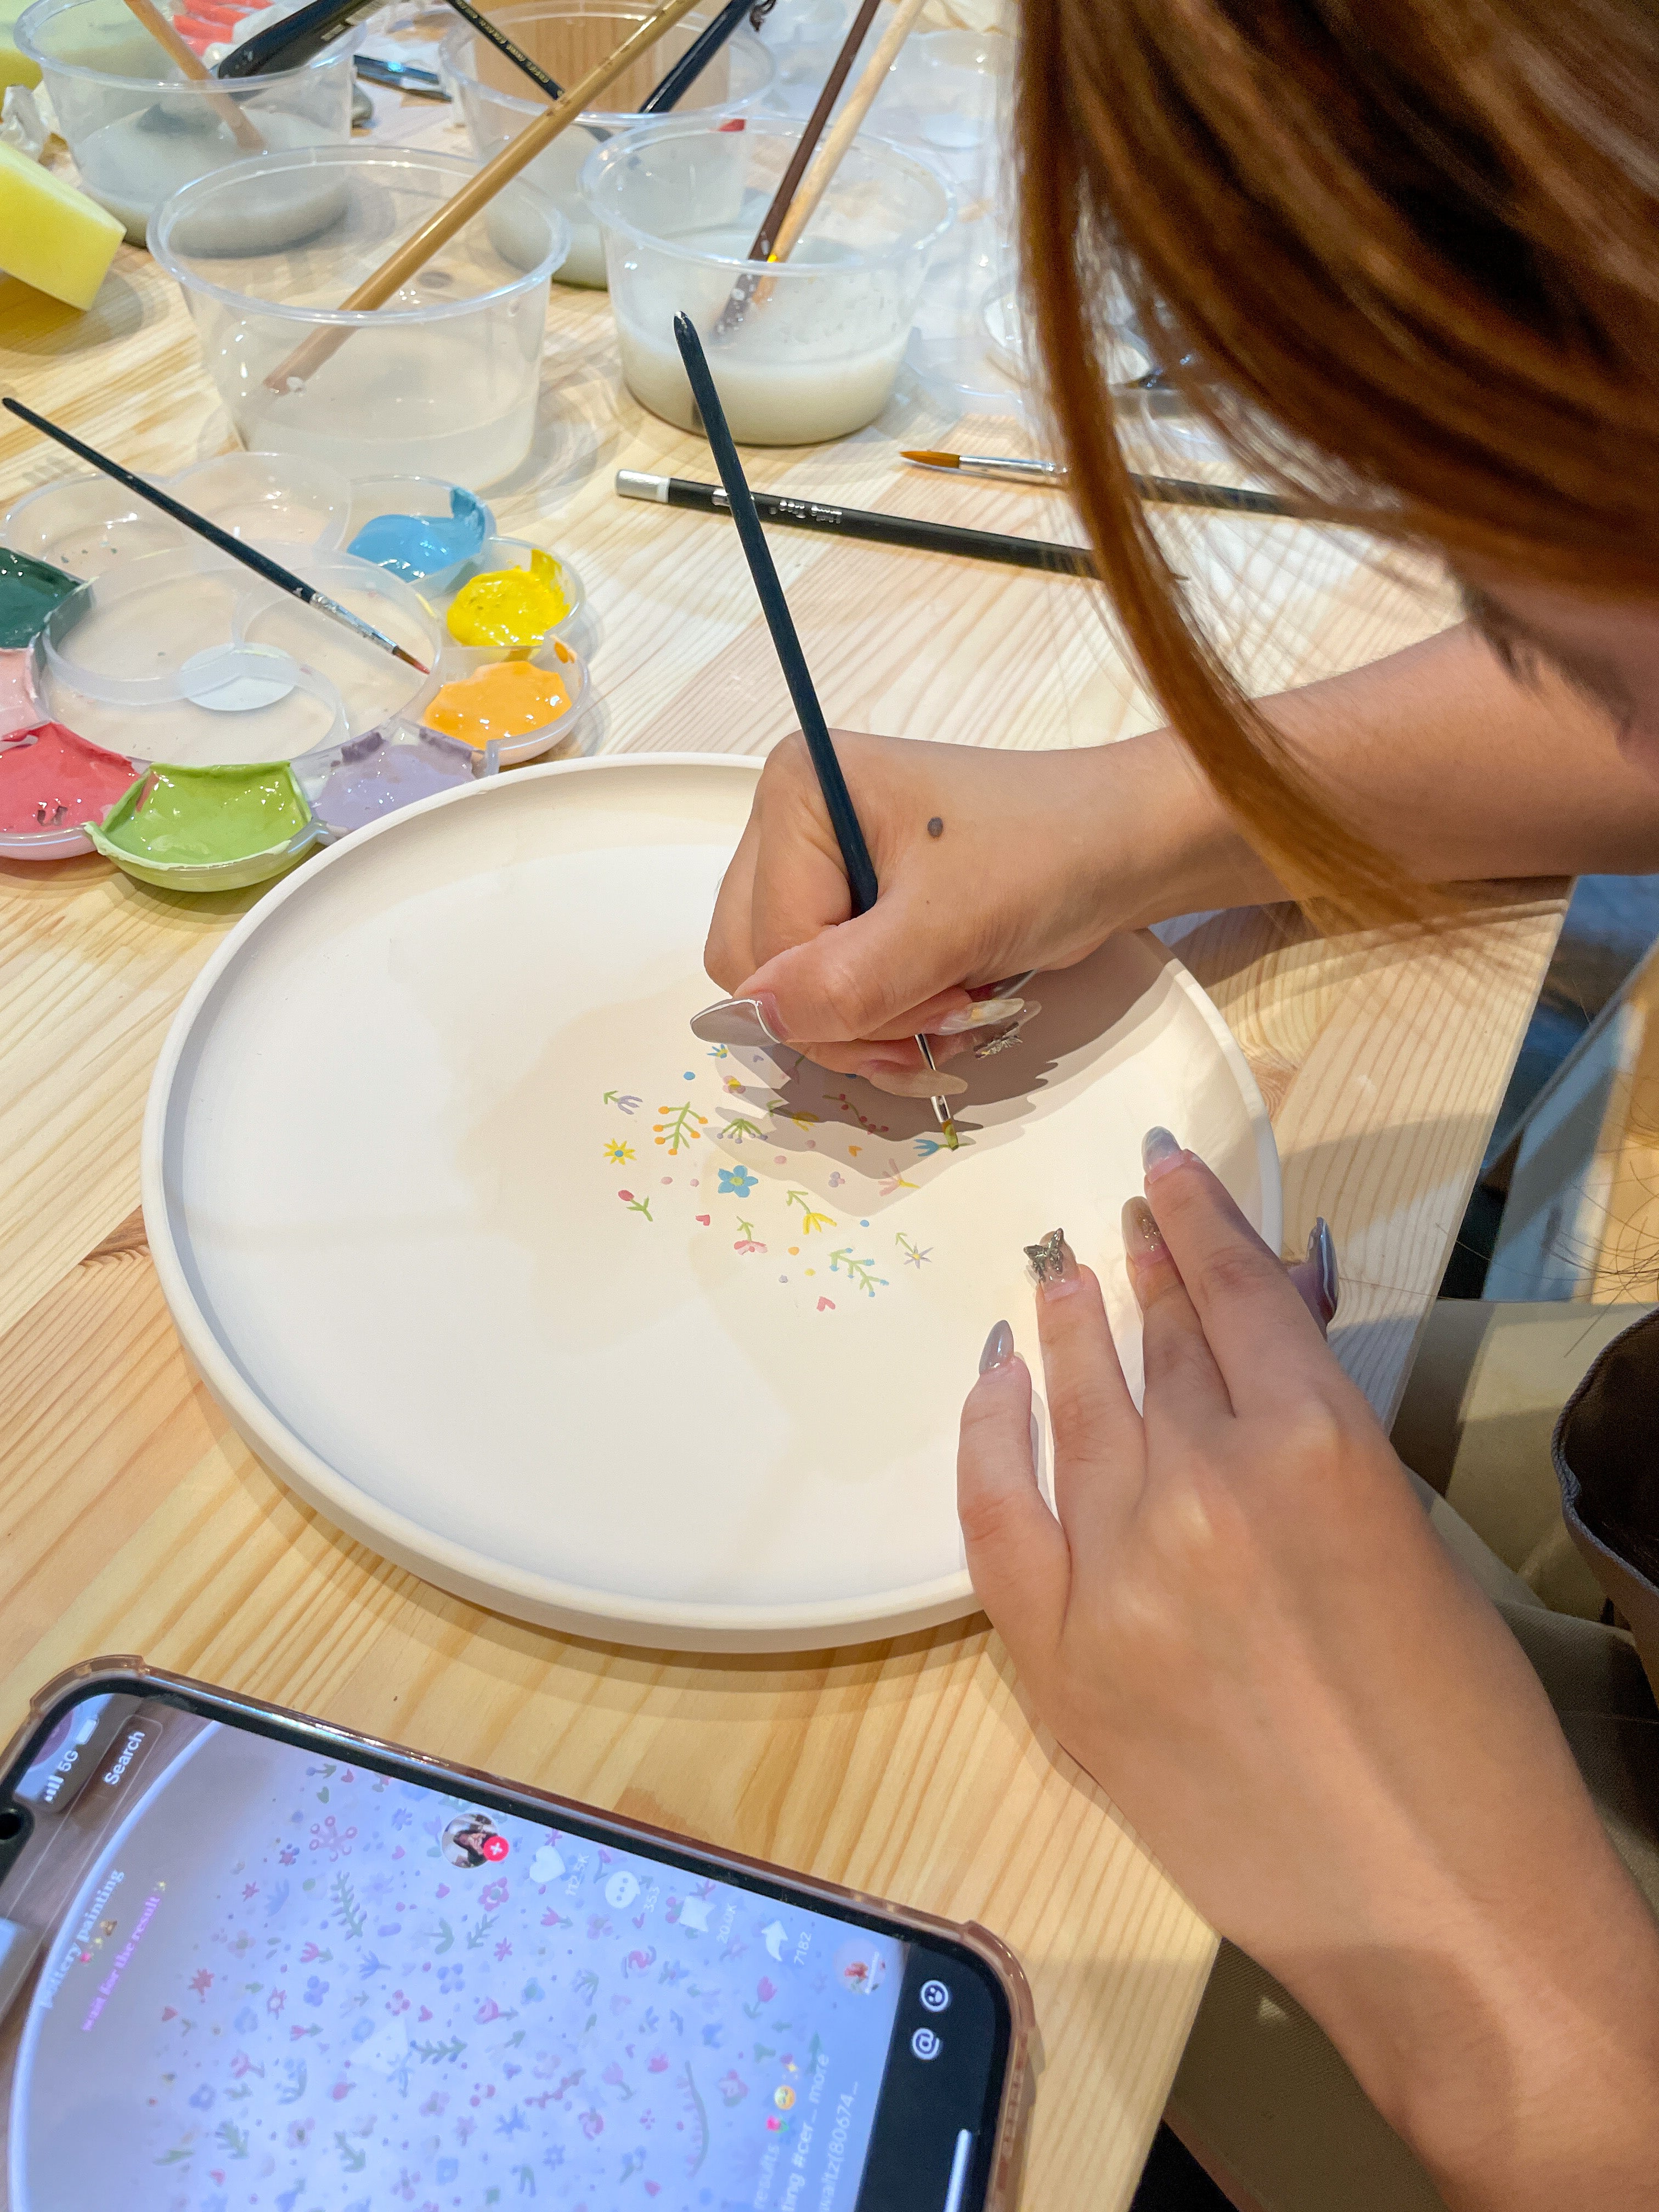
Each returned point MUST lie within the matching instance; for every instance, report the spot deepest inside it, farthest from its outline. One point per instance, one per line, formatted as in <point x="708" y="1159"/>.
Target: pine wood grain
<point x="133" y="1519"/>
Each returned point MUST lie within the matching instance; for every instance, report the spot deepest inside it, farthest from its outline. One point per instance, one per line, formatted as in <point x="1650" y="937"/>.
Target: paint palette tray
<point x="86" y="524"/>
<point x="187" y="657"/>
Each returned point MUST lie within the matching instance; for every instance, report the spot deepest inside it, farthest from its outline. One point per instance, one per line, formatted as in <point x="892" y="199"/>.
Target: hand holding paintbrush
<point x="837" y="799"/>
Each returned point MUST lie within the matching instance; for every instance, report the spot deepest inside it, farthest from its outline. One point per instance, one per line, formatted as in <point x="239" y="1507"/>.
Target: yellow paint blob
<point x="509" y="607"/>
<point x="508" y="699"/>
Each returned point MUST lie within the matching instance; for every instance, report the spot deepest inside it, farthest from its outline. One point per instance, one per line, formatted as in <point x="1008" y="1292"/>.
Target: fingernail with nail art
<point x="999" y="1348"/>
<point x="1004" y="1038"/>
<point x="1321" y="1255"/>
<point x="982" y="1014"/>
<point x="1159" y="1151"/>
<point x="1142" y="1237"/>
<point x="1053" y="1268"/>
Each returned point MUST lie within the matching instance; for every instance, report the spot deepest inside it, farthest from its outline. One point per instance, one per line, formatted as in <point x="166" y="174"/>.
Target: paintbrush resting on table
<point x="743" y="290"/>
<point x="905" y="530"/>
<point x="475" y="195"/>
<point x="400" y="76"/>
<point x="1162" y="491"/>
<point x="249" y="556"/>
<point x="837" y="799"/>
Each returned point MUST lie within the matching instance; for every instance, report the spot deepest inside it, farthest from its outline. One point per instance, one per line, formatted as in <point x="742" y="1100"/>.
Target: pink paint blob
<point x="50" y="779"/>
<point x="19" y="708"/>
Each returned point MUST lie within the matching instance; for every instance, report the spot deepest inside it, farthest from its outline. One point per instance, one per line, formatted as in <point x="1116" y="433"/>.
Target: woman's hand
<point x="1243" y="1625"/>
<point x="990" y="863"/>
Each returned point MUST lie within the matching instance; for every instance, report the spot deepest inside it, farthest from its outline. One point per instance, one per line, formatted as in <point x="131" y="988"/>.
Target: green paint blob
<point x="194" y="817"/>
<point x="29" y="590"/>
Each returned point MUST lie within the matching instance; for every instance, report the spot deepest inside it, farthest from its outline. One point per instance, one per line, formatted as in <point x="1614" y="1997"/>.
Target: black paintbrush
<point x="262" y="565"/>
<point x="293" y="41"/>
<point x="837" y="799"/>
<point x="696" y="59"/>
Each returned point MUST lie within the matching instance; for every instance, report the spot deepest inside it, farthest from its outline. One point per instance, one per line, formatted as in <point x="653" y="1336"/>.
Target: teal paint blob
<point x="417" y="545"/>
<point x="29" y="590"/>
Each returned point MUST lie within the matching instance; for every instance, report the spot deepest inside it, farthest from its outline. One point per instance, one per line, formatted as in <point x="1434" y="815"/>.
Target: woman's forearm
<point x="1452" y="766"/>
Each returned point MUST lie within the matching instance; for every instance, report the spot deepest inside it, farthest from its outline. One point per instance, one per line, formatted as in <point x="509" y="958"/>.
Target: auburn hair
<point x="1405" y="255"/>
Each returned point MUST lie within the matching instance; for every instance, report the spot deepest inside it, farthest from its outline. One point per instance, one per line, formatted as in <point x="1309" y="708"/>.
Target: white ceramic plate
<point x="524" y="1287"/>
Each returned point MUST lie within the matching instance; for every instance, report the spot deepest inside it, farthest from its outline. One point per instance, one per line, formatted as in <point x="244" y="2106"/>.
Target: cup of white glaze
<point x="814" y="351"/>
<point x="139" y="130"/>
<point x="442" y="381"/>
<point x="566" y="38"/>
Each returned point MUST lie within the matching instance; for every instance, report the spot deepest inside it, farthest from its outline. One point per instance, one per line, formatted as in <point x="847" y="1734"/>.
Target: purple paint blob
<point x="376" y="776"/>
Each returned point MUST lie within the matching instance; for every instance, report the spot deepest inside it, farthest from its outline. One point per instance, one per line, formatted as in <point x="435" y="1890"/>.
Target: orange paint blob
<point x="508" y="699"/>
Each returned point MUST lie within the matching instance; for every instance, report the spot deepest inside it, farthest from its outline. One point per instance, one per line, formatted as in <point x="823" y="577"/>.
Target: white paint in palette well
<point x="378" y="1188"/>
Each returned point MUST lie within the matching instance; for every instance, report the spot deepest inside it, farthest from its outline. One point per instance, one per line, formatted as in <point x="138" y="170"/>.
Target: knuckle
<point x="991" y="1519"/>
<point x="844" y="995"/>
<point x="1239" y="1271"/>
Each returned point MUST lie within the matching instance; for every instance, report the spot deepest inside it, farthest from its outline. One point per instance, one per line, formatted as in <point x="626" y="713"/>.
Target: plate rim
<point x="578" y="1609"/>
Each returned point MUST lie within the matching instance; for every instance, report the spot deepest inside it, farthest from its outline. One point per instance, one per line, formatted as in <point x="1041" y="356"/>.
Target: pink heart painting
<point x="826" y="1305"/>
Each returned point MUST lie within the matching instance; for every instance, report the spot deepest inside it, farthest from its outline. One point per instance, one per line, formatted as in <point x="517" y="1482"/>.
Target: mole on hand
<point x="936" y="827"/>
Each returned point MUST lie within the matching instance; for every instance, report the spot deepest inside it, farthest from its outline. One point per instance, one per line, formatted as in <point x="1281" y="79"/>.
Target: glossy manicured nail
<point x="999" y="1348"/>
<point x="1142" y="1236"/>
<point x="740" y="1021"/>
<point x="1322" y="1258"/>
<point x="1053" y="1268"/>
<point x="982" y="1014"/>
<point x="1159" y="1153"/>
<point x="1004" y="1039"/>
<point x="901" y="1082"/>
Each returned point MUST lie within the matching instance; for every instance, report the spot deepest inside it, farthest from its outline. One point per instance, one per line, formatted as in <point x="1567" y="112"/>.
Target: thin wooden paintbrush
<point x="190" y="64"/>
<point x="458" y="211"/>
<point x="249" y="556"/>
<point x="743" y="290"/>
<point x="837" y="799"/>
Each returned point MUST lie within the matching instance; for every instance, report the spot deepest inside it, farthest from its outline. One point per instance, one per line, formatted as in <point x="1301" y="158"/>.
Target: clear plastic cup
<point x="812" y="351"/>
<point x="566" y="40"/>
<point x="442" y="381"/>
<point x="138" y="131"/>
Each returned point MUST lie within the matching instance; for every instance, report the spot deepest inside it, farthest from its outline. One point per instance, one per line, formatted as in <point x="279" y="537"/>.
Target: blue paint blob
<point x="417" y="545"/>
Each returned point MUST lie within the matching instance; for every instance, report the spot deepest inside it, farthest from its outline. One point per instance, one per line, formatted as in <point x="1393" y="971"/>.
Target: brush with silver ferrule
<point x="250" y="556"/>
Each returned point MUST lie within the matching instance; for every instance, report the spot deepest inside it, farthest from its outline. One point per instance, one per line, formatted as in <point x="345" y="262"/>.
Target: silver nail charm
<point x="1048" y="1257"/>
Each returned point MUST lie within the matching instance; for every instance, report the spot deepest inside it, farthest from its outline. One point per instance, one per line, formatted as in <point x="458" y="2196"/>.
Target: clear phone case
<point x="118" y="1673"/>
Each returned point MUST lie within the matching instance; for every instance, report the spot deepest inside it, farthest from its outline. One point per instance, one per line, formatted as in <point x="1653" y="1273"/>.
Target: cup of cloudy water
<point x="139" y="130"/>
<point x="442" y="381"/>
<point x="498" y="101"/>
<point x="814" y="351"/>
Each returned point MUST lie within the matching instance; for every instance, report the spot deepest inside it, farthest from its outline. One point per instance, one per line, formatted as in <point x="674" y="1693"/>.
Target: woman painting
<point x="1409" y="255"/>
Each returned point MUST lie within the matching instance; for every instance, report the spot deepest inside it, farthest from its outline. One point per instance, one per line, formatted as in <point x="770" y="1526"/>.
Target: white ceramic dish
<point x="414" y="1181"/>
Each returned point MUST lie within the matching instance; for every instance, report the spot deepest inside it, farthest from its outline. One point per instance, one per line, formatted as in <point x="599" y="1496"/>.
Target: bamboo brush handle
<point x="477" y="192"/>
<point x="179" y="51"/>
<point x="860" y="100"/>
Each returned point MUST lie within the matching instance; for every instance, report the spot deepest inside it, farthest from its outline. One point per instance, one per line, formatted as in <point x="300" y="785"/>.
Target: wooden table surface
<point x="133" y="1520"/>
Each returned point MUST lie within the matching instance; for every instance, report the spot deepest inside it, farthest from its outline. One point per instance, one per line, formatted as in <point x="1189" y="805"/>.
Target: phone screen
<point x="238" y="1973"/>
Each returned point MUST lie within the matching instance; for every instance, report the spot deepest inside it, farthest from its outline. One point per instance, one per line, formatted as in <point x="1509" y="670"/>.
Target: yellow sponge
<point x="15" y="69"/>
<point x="51" y="236"/>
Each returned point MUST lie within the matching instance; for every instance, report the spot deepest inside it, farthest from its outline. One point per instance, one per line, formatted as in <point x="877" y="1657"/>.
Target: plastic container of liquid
<point x="814" y="350"/>
<point x="139" y="130"/>
<point x="566" y="41"/>
<point x="442" y="381"/>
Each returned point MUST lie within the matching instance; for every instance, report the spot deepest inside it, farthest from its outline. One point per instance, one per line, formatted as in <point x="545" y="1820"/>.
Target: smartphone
<point x="249" y="1959"/>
